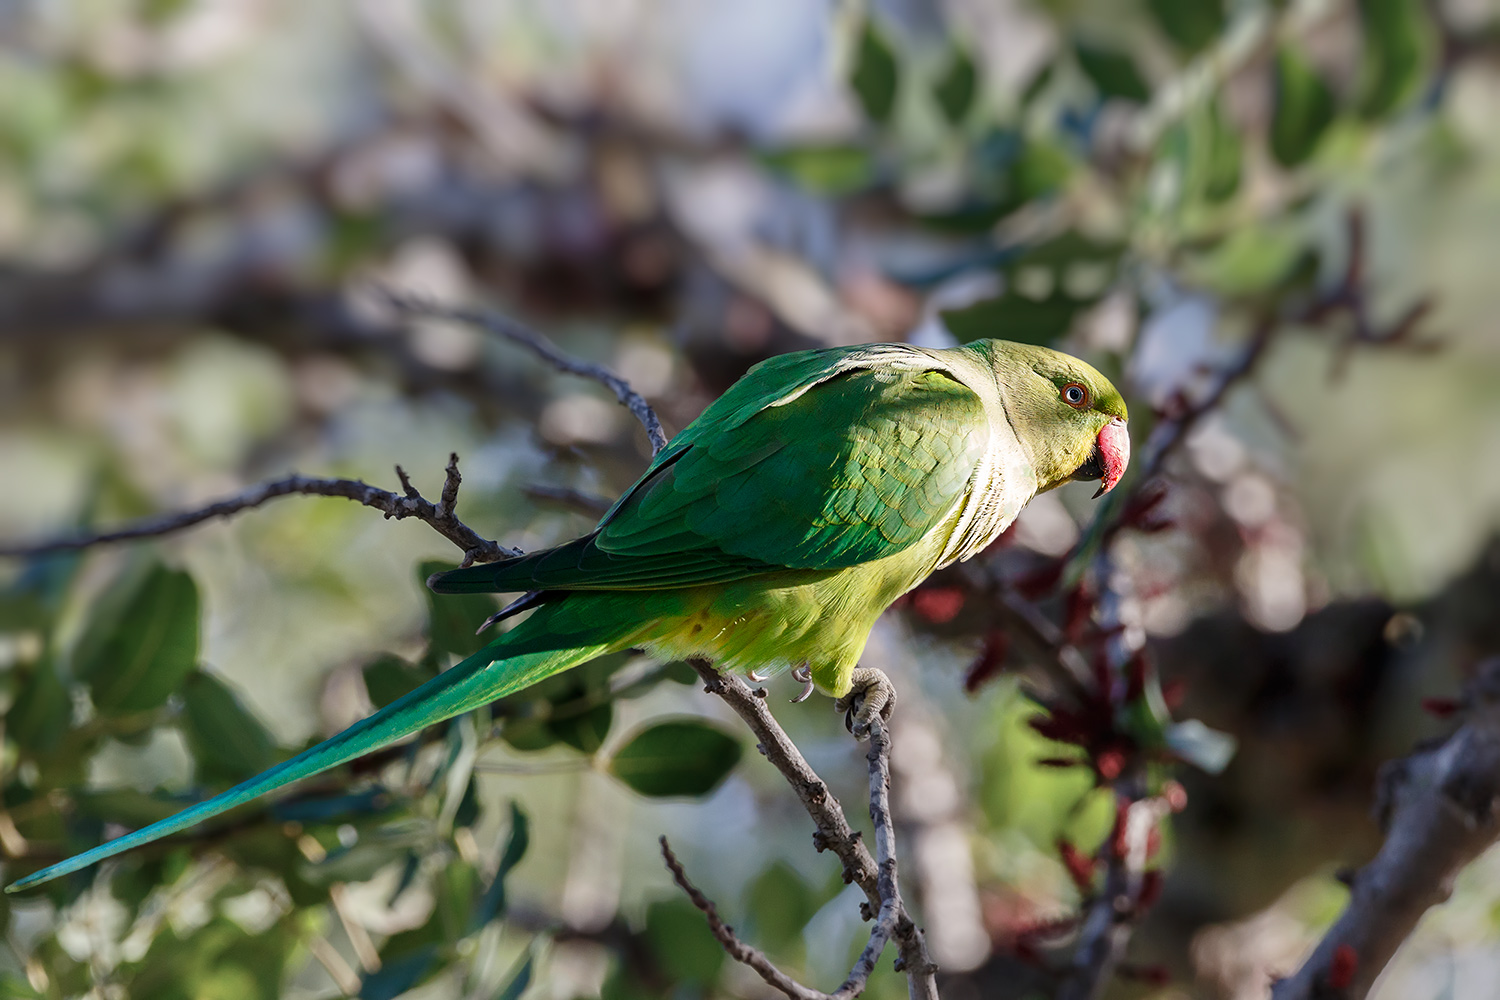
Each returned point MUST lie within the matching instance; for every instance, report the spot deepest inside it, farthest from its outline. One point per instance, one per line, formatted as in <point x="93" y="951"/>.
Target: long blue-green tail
<point x="555" y="638"/>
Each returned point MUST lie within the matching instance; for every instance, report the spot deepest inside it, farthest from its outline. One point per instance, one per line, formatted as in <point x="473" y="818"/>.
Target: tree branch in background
<point x="1107" y="925"/>
<point x="879" y="881"/>
<point x="438" y="515"/>
<point x="1440" y="809"/>
<point x="519" y="333"/>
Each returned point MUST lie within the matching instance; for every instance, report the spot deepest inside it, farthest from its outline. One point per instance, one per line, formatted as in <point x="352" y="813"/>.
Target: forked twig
<point x="833" y="833"/>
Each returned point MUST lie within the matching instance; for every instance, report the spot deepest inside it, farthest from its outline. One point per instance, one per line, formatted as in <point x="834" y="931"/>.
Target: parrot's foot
<point x="872" y="695"/>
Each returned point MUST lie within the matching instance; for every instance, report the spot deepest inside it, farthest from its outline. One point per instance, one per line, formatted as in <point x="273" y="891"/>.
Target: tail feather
<point x="517" y="659"/>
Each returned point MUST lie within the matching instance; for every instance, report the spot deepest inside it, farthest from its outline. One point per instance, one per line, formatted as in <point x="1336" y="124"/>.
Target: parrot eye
<point x="1075" y="395"/>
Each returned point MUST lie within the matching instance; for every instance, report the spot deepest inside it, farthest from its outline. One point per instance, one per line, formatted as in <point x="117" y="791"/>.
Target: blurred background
<point x="200" y="203"/>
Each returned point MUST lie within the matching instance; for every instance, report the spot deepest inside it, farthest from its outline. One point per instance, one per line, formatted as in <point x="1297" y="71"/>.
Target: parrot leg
<point x="872" y="694"/>
<point x="803" y="674"/>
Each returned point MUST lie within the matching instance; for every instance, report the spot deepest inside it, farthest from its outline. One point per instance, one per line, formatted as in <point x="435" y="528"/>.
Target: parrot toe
<point x="872" y="695"/>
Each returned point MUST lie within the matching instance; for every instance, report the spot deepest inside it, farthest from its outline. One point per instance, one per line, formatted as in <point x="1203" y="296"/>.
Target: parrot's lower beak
<point x="1109" y="458"/>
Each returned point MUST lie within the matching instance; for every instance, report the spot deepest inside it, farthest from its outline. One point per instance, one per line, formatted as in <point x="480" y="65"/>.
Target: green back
<point x="798" y="466"/>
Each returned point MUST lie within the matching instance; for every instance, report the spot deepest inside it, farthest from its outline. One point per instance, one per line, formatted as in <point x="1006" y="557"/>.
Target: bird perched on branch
<point x="769" y="534"/>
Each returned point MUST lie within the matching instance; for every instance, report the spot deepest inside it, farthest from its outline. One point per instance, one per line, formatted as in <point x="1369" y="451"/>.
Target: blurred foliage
<point x="198" y="203"/>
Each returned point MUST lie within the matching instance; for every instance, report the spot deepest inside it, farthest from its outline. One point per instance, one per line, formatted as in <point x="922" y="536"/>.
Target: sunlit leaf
<point x="827" y="170"/>
<point x="141" y="643"/>
<point x="1304" y="109"/>
<point x="682" y="757"/>
<point x="876" y="74"/>
<point x="1221" y="173"/>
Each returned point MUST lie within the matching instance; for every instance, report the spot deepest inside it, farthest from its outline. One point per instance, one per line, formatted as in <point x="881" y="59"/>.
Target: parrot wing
<point x="796" y="467"/>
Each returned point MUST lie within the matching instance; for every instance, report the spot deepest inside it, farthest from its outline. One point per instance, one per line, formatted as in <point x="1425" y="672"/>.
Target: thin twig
<point x="519" y="333"/>
<point x="439" y="516"/>
<point x="733" y="946"/>
<point x="833" y="832"/>
<point x="1440" y="809"/>
<point x="1107" y="926"/>
<point x="891" y="910"/>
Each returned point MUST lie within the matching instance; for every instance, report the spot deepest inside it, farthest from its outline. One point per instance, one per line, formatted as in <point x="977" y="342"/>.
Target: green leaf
<point x="492" y="903"/>
<point x="467" y="813"/>
<point x="1112" y="71"/>
<point x="1398" y="46"/>
<point x="452" y="619"/>
<point x="389" y="677"/>
<point x="528" y="733"/>
<point x="40" y="717"/>
<point x="1192" y="25"/>
<point x="955" y="91"/>
<point x="685" y="948"/>
<point x="683" y="757"/>
<point x="826" y="170"/>
<point x="1303" y="109"/>
<point x="583" y="727"/>
<point x="141" y="643"/>
<point x="396" y="976"/>
<point x="226" y="738"/>
<point x="781" y="903"/>
<point x="1221" y="167"/>
<point x="1015" y="317"/>
<point x="876" y="74"/>
<point x="680" y="672"/>
<point x="519" y="979"/>
<point x="1041" y="169"/>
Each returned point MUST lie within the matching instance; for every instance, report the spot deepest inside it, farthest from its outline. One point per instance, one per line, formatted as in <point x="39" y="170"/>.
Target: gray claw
<point x="803" y="674"/>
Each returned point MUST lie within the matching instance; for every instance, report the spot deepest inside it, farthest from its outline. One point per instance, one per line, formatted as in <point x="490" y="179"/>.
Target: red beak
<point x="1112" y="453"/>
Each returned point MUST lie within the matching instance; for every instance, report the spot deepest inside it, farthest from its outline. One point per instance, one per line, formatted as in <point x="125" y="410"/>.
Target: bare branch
<point x="833" y="832"/>
<point x="519" y="333"/>
<point x="439" y="516"/>
<point x="1439" y="811"/>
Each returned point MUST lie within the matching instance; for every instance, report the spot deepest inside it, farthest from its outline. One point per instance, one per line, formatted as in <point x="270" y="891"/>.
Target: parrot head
<point x="1068" y="415"/>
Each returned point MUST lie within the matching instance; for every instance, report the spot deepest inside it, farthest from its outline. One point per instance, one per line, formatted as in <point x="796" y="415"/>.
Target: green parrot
<point x="769" y="534"/>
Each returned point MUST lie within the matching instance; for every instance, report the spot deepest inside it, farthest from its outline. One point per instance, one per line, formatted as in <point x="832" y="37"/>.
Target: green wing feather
<point x="805" y="467"/>
<point x="557" y="637"/>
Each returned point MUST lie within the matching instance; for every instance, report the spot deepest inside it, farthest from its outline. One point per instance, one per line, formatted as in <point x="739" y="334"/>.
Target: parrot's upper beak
<point x="1109" y="458"/>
